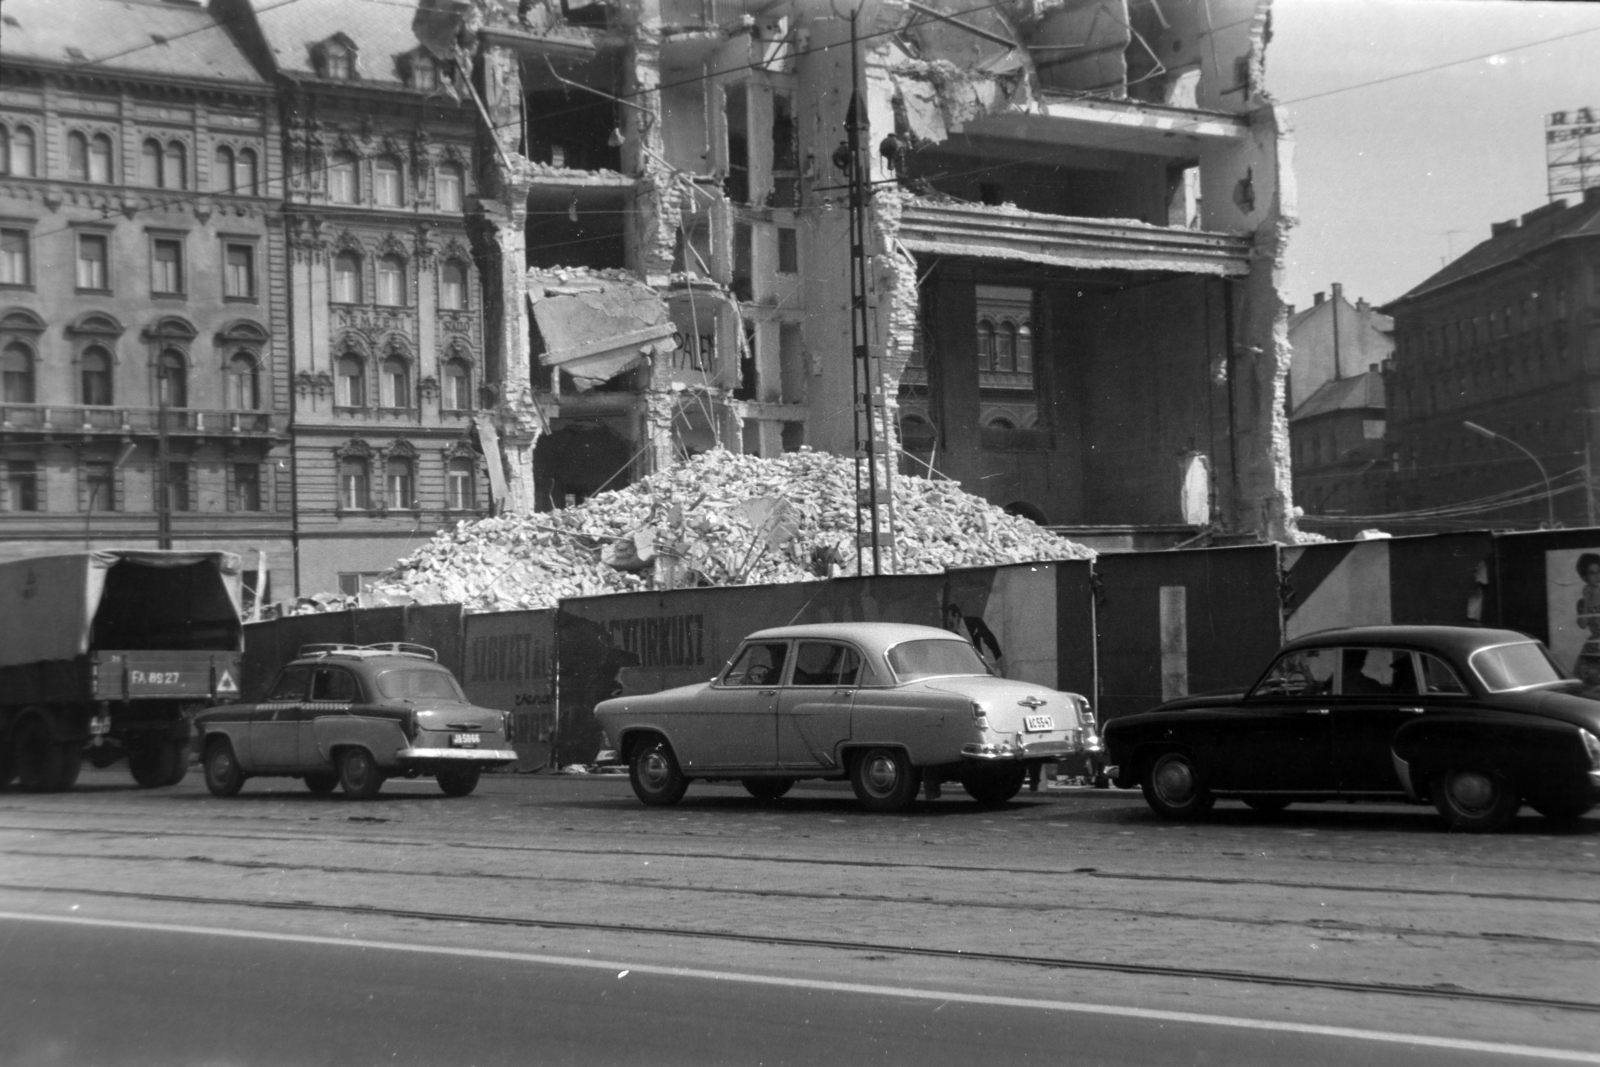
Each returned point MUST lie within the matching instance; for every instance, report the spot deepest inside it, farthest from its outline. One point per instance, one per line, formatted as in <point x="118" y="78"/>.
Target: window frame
<point x="343" y="395"/>
<point x="334" y="274"/>
<point x="101" y="238"/>
<point x="230" y="245"/>
<point x="14" y="477"/>
<point x="390" y="268"/>
<point x="26" y="235"/>
<point x="445" y="286"/>
<point x="453" y="478"/>
<point x="176" y="244"/>
<point x="28" y="375"/>
<point x="236" y="489"/>
<point x="390" y="396"/>
<point x="449" y="375"/>
<point x="97" y="352"/>
<point x="382" y="187"/>
<point x="347" y="165"/>
<point x="355" y="496"/>
<point x="458" y="178"/>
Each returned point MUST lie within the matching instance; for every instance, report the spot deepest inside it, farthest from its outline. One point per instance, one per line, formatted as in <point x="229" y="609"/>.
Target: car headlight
<point x="1591" y="745"/>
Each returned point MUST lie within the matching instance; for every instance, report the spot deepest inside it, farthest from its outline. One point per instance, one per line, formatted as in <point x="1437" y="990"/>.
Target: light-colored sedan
<point x="887" y="705"/>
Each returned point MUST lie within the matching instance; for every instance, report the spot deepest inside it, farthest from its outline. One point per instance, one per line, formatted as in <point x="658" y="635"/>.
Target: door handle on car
<point x="769" y="692"/>
<point x="1412" y="711"/>
<point x="1316" y="711"/>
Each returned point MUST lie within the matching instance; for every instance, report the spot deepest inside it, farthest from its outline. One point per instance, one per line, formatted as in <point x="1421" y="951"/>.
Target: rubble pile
<point x="717" y="519"/>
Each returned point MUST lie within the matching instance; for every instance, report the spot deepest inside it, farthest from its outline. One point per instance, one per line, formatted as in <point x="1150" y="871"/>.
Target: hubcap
<point x="1174" y="781"/>
<point x="1472" y="790"/>
<point x="653" y="770"/>
<point x="881" y="775"/>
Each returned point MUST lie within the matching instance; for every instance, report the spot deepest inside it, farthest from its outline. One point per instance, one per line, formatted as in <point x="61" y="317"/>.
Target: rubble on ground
<point x="717" y="519"/>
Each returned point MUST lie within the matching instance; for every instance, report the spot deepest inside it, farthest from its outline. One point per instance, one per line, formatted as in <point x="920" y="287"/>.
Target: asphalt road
<point x="169" y="927"/>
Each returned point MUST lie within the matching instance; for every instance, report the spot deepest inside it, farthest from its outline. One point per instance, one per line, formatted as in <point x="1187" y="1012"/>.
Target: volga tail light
<point x="1591" y="745"/>
<point x="980" y="716"/>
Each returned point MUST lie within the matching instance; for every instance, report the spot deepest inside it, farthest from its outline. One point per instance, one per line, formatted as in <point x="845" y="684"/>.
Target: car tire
<point x="767" y="788"/>
<point x="154" y="765"/>
<point x="884" y="779"/>
<point x="1266" y="805"/>
<point x="224" y="776"/>
<point x="359" y="774"/>
<point x="1562" y="811"/>
<point x="459" y="781"/>
<point x="1174" y="787"/>
<point x="1473" y="800"/>
<point x="993" y="786"/>
<point x="654" y="773"/>
<point x="40" y="761"/>
<point x="322" y="783"/>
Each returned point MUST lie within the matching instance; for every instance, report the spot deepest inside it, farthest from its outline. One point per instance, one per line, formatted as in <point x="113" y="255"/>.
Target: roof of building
<point x="1379" y="321"/>
<point x="1544" y="226"/>
<point x="379" y="31"/>
<point x="147" y="37"/>
<point x="1343" y="394"/>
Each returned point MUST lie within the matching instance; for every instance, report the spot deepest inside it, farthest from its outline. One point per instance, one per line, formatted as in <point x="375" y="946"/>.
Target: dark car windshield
<point x="934" y="658"/>
<point x="1520" y="666"/>
<point x="419" y="683"/>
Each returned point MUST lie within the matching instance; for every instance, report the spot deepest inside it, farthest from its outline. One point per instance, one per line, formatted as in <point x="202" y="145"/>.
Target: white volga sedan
<point x="887" y="705"/>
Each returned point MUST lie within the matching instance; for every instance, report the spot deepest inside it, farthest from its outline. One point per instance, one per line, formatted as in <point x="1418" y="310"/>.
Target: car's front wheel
<point x="459" y="781"/>
<point x="1473" y="799"/>
<point x="1174" y="787"/>
<point x="224" y="776"/>
<point x="359" y="774"/>
<point x="884" y="779"/>
<point x="656" y="777"/>
<point x="767" y="788"/>
<point x="993" y="786"/>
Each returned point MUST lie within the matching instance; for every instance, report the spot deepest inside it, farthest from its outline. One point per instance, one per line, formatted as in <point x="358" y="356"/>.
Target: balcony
<point x="76" y="420"/>
<point x="1006" y="233"/>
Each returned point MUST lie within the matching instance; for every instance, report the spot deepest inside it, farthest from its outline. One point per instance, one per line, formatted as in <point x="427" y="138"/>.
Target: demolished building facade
<point x="1077" y="218"/>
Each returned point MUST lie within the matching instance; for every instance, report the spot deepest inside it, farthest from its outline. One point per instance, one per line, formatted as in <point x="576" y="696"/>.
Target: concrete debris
<point x="595" y="325"/>
<point x="718" y="519"/>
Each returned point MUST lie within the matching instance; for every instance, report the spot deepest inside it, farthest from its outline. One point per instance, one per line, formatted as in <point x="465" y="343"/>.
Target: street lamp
<point x="1549" y="494"/>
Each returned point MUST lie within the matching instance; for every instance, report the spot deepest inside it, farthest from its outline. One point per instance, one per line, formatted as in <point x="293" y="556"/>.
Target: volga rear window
<point x="418" y="683"/>
<point x="934" y="658"/>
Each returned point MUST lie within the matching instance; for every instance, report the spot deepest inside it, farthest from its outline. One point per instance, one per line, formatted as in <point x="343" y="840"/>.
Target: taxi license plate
<point x="464" y="740"/>
<point x="1038" y="724"/>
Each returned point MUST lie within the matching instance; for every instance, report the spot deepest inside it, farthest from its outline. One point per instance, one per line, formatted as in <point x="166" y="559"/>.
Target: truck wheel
<point x="1474" y="800"/>
<point x="884" y="780"/>
<point x="40" y="762"/>
<point x="154" y="765"/>
<point x="459" y="781"/>
<point x="180" y="761"/>
<point x="993" y="786"/>
<point x="1174" y="787"/>
<point x="224" y="776"/>
<point x="655" y="775"/>
<point x="359" y="774"/>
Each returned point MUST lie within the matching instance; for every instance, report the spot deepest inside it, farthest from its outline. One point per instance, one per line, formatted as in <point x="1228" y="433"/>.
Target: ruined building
<point x="1077" y="216"/>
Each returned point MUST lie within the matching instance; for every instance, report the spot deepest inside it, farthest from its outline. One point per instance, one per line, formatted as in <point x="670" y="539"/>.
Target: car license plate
<point x="1038" y="724"/>
<point x="464" y="740"/>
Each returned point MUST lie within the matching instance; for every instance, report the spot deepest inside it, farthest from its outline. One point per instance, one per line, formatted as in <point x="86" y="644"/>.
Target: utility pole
<point x="163" y="490"/>
<point x="871" y="429"/>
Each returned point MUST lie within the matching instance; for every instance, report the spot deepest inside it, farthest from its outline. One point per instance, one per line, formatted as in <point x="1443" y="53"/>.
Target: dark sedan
<point x="1475" y="721"/>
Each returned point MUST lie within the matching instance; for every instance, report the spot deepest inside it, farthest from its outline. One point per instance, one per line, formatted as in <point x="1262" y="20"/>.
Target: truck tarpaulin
<point x="49" y="604"/>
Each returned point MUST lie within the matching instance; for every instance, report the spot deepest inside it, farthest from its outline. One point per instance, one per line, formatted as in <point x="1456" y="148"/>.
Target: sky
<point x="1395" y="179"/>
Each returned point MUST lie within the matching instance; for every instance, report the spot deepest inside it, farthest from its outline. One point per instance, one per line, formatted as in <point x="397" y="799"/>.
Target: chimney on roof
<point x="1318" y="298"/>
<point x="1500" y="229"/>
<point x="1362" y="305"/>
<point x="1372" y="368"/>
<point x="1338" y="291"/>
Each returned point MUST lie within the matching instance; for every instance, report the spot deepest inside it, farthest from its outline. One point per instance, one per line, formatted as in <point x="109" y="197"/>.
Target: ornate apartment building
<point x="142" y="316"/>
<point x="386" y="338"/>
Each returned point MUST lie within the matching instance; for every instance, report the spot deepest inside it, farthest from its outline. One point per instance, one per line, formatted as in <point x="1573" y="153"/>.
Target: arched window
<point x="449" y="187"/>
<point x="347" y="278"/>
<point x="457" y="386"/>
<point x="175" y="174"/>
<point x="100" y="159"/>
<point x="1005" y="348"/>
<point x="174" y="380"/>
<point x="150" y="164"/>
<point x="1000" y="422"/>
<point x="344" y="187"/>
<point x="351" y="386"/>
<point x="386" y="181"/>
<point x="17" y="365"/>
<point x="395" y="383"/>
<point x="95" y="371"/>
<point x="453" y="286"/>
<point x="24" y="161"/>
<point x="353" y="483"/>
<point x="222" y="170"/>
<point x="461" y="492"/>
<point x="245" y="177"/>
<point x="77" y="157"/>
<point x="985" y="344"/>
<point x="392" y="281"/>
<point x="399" y="485"/>
<point x="1025" y="349"/>
<point x="244" y="383"/>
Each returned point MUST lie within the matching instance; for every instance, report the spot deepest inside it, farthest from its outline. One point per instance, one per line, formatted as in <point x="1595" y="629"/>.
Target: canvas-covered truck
<point x="104" y="654"/>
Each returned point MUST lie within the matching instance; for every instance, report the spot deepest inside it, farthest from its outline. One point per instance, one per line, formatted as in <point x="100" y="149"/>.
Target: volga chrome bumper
<point x="1005" y="750"/>
<point x="458" y="755"/>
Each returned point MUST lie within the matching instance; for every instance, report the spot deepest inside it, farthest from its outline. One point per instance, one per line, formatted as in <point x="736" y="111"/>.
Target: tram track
<point x="1441" y="991"/>
<point x="734" y="856"/>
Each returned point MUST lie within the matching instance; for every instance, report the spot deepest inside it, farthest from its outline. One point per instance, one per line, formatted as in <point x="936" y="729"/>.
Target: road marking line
<point x="819" y="985"/>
